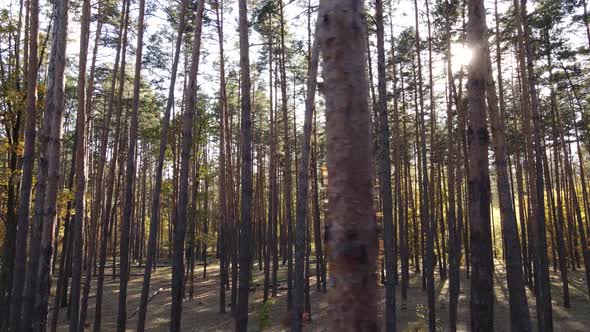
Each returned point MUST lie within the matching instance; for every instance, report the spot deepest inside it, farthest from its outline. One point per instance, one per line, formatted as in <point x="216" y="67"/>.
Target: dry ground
<point x="202" y="313"/>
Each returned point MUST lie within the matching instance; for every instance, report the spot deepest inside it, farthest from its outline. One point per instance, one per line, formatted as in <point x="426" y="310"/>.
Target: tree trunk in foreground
<point x="246" y="173"/>
<point x="53" y="162"/>
<point x="351" y="232"/>
<point x="20" y="260"/>
<point x="482" y="292"/>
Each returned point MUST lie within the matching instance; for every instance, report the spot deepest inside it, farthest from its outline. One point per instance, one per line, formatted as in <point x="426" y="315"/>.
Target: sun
<point x="461" y="55"/>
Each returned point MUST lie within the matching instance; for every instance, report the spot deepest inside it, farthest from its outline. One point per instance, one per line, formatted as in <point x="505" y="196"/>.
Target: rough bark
<point x="245" y="255"/>
<point x="28" y="161"/>
<point x="482" y="293"/>
<point x="351" y="233"/>
<point x="130" y="177"/>
<point x="40" y="187"/>
<point x="43" y="273"/>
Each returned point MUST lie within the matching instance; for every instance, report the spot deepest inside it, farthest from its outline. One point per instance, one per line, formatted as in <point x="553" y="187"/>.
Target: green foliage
<point x="264" y="318"/>
<point x="149" y="115"/>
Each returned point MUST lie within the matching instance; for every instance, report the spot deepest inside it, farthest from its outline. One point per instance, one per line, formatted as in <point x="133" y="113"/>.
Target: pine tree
<point x="352" y="245"/>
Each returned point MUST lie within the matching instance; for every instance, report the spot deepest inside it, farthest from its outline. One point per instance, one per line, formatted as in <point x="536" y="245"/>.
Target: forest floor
<point x="202" y="313"/>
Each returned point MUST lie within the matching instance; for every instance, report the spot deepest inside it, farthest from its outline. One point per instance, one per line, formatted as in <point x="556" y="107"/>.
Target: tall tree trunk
<point x="271" y="217"/>
<point x="232" y="207"/>
<point x="585" y="17"/>
<point x="303" y="187"/>
<point x="427" y="223"/>
<point x="454" y="251"/>
<point x="559" y="227"/>
<point x="351" y="230"/>
<point x="43" y="274"/>
<point x="223" y="164"/>
<point x="384" y="160"/>
<point x="273" y="187"/>
<point x="569" y="178"/>
<point x="96" y="203"/>
<point x="397" y="152"/>
<point x="317" y="228"/>
<point x="13" y="131"/>
<point x="37" y="219"/>
<point x="528" y="133"/>
<point x="28" y="161"/>
<point x="205" y="244"/>
<point x="246" y="173"/>
<point x="80" y="204"/>
<point x="108" y="217"/>
<point x="523" y="219"/>
<point x="155" y="208"/>
<point x="192" y="219"/>
<point x="519" y="311"/>
<point x="419" y="234"/>
<point x="463" y="162"/>
<point x="573" y="196"/>
<point x="40" y="188"/>
<point x="433" y="227"/>
<point x="482" y="292"/>
<point x="61" y="298"/>
<point x="543" y="292"/>
<point x="130" y="177"/>
<point x="288" y="222"/>
<point x="187" y="143"/>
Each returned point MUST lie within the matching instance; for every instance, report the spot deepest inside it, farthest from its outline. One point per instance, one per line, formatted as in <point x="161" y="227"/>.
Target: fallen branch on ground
<point x="148" y="301"/>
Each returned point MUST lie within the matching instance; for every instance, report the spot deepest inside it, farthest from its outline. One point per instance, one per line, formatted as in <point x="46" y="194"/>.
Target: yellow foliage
<point x="62" y="202"/>
<point x="416" y="327"/>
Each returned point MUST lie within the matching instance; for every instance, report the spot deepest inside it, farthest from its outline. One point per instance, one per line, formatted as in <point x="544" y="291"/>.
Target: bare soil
<point x="202" y="312"/>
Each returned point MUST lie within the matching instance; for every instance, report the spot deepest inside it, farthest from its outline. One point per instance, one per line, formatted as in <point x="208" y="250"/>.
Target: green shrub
<point x="264" y="314"/>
